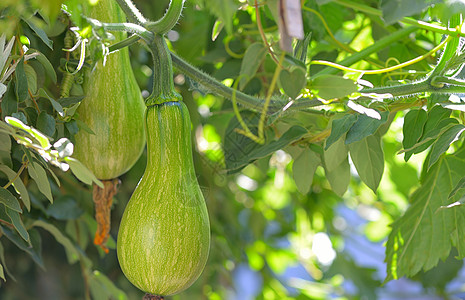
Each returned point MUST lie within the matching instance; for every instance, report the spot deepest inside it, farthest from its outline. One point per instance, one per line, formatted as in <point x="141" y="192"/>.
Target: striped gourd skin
<point x="113" y="109"/>
<point x="164" y="235"/>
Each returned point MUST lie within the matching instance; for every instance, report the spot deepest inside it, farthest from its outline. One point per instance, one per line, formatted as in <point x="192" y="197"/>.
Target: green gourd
<point x="113" y="108"/>
<point x="164" y="235"/>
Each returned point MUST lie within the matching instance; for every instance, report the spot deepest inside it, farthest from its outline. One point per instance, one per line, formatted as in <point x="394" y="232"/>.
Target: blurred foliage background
<point x="279" y="230"/>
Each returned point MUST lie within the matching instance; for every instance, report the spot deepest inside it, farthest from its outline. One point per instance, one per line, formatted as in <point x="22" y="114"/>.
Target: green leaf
<point x="444" y="141"/>
<point x="394" y="10"/>
<point x="57" y="106"/>
<point x="48" y="67"/>
<point x="18" y="185"/>
<point x="414" y="122"/>
<point x="339" y="127"/>
<point x="33" y="248"/>
<point x="337" y="168"/>
<point x="292" y="82"/>
<point x="2" y="274"/>
<point x="3" y="261"/>
<point x="368" y="158"/>
<point x="39" y="175"/>
<point x="304" y="168"/>
<point x="46" y="123"/>
<point x="71" y="250"/>
<point x="70" y="101"/>
<point x="81" y="172"/>
<point x="253" y="57"/>
<point x="365" y="126"/>
<point x="427" y="231"/>
<point x="335" y="155"/>
<point x="331" y="86"/>
<point x="3" y="89"/>
<point x="31" y="76"/>
<point x="429" y="138"/>
<point x="9" y="200"/>
<point x="339" y="178"/>
<point x="64" y="208"/>
<point x="5" y="142"/>
<point x="21" y="81"/>
<point x="244" y="158"/>
<point x="17" y="223"/>
<point x="9" y="101"/>
<point x="40" y="33"/>
<point x="460" y="185"/>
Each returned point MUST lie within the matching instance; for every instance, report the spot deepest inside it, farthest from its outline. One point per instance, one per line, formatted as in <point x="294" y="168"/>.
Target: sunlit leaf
<point x="368" y="159"/>
<point x="426" y="233"/>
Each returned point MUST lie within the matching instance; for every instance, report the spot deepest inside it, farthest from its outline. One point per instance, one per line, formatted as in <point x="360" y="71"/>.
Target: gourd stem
<point x="131" y="11"/>
<point x="163" y="83"/>
<point x="169" y="20"/>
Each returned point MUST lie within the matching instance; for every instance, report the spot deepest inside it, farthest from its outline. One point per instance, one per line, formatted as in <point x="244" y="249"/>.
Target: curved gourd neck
<point x="168" y="136"/>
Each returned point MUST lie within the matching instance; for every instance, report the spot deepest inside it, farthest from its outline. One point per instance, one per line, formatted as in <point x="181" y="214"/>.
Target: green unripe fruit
<point x="164" y="236"/>
<point x="113" y="108"/>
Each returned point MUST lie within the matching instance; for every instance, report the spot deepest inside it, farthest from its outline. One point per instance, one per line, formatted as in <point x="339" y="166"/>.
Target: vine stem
<point x="132" y="28"/>
<point x="262" y="33"/>
<point x="385" y="70"/>
<point x="209" y="82"/>
<point x="131" y="11"/>
<point x="377" y="46"/>
<point x="169" y="19"/>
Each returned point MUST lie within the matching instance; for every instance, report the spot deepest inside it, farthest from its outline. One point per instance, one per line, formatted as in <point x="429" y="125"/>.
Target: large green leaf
<point x="431" y="225"/>
<point x="368" y="158"/>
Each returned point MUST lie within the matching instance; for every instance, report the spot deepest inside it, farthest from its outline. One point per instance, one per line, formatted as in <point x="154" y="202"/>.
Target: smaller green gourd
<point x="113" y="108"/>
<point x="164" y="235"/>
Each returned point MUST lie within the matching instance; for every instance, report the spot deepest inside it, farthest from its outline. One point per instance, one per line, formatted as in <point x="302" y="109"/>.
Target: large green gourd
<point x="164" y="236"/>
<point x="113" y="108"/>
